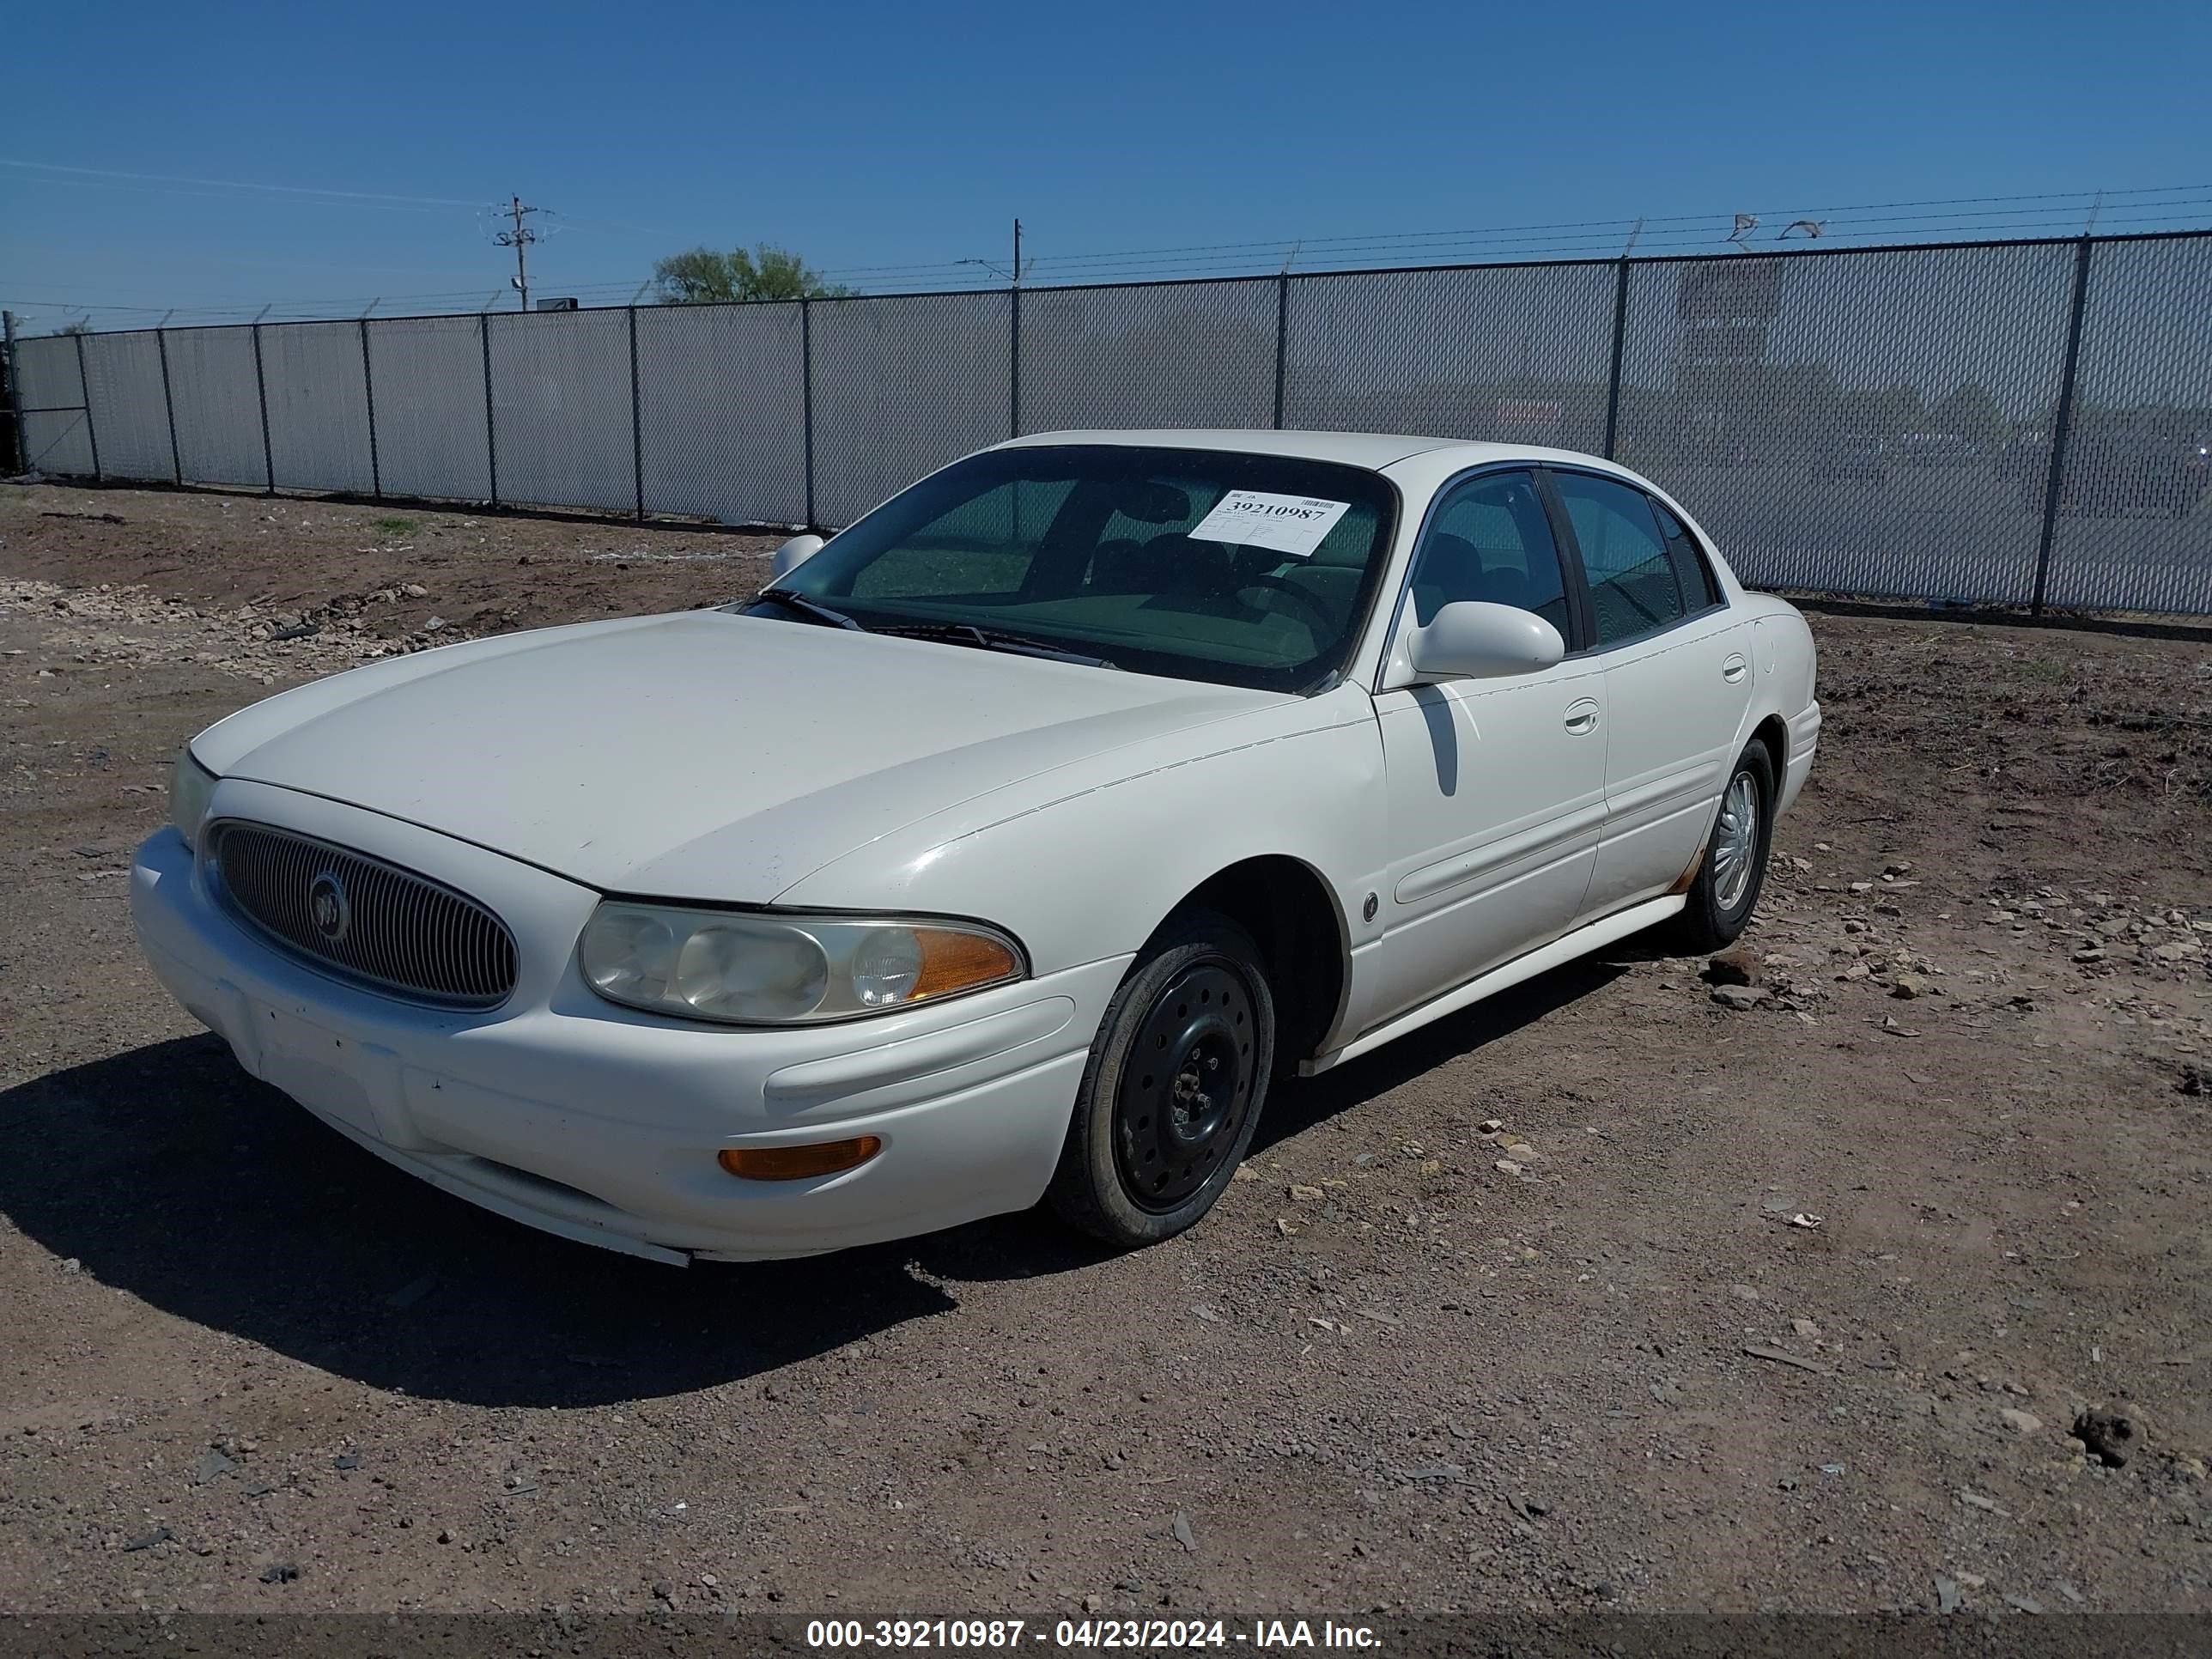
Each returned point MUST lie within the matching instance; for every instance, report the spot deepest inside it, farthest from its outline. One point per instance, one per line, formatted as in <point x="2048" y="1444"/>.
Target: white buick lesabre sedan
<point x="1002" y="849"/>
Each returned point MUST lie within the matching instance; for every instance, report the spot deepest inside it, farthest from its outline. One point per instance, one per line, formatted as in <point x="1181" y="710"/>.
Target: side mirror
<point x="1473" y="640"/>
<point x="792" y="554"/>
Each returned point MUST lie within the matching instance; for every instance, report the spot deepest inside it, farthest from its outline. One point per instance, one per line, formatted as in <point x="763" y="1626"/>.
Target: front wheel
<point x="1734" y="868"/>
<point x="1173" y="1090"/>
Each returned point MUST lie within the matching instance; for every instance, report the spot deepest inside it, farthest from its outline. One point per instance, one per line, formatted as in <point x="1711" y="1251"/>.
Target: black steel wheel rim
<point x="1187" y="1087"/>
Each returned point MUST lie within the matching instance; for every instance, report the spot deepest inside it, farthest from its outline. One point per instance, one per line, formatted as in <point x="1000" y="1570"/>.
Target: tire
<point x="1151" y="1146"/>
<point x="1731" y="870"/>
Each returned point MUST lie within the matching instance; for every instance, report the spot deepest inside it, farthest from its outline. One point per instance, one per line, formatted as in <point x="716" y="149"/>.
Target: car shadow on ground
<point x="169" y="1173"/>
<point x="1296" y="1106"/>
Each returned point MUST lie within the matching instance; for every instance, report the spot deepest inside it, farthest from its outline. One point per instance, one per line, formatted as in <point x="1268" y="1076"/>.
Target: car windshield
<point x="1252" y="570"/>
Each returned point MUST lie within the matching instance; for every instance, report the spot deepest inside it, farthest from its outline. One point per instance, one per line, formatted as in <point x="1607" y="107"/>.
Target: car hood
<point x="707" y="755"/>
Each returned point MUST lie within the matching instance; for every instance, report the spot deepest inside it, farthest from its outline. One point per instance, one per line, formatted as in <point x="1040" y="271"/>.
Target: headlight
<point x="747" y="968"/>
<point x="190" y="785"/>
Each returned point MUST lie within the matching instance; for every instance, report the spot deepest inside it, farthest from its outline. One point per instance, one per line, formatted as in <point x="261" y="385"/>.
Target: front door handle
<point x="1581" y="717"/>
<point x="1734" y="669"/>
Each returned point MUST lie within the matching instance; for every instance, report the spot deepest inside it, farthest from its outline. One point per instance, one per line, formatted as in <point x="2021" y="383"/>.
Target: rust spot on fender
<point x="1682" y="881"/>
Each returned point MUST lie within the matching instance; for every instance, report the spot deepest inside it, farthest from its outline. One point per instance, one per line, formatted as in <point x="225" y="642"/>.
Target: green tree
<point x="703" y="276"/>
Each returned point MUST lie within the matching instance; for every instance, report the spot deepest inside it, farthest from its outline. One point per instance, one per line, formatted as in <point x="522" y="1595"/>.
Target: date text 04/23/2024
<point x="1262" y="1634"/>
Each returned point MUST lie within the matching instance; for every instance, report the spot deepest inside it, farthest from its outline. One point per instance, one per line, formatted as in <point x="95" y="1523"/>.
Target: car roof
<point x="1372" y="450"/>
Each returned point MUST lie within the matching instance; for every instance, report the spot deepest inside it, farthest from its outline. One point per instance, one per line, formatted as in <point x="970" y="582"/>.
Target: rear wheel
<point x="1177" y="1075"/>
<point x="1734" y="868"/>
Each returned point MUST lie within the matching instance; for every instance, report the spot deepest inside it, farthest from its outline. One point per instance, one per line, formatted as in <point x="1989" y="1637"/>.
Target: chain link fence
<point x="2025" y="423"/>
<point x="896" y="386"/>
<point x="1839" y="424"/>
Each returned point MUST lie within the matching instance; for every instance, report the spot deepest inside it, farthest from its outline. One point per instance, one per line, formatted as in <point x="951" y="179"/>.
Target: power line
<point x="1598" y="224"/>
<point x="233" y="198"/>
<point x="1437" y="242"/>
<point x="2160" y="206"/>
<point x="1111" y="267"/>
<point x="940" y="265"/>
<point x="233" y="184"/>
<point x="1567" y="239"/>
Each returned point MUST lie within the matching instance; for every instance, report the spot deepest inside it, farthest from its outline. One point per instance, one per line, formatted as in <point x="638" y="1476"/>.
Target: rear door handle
<point x="1734" y="669"/>
<point x="1581" y="717"/>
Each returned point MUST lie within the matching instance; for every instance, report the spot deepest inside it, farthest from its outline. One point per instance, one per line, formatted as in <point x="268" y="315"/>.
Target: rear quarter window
<point x="1634" y="588"/>
<point x="1692" y="568"/>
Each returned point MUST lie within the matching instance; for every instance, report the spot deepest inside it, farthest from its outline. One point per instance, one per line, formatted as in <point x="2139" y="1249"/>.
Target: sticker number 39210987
<point x="1282" y="523"/>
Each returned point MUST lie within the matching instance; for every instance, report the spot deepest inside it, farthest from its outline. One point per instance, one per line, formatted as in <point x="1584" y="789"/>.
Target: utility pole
<point x="519" y="240"/>
<point x="17" y="458"/>
<point x="1018" y="254"/>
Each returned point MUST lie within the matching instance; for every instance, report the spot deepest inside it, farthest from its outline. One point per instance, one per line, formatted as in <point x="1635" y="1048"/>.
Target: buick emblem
<point x="329" y="908"/>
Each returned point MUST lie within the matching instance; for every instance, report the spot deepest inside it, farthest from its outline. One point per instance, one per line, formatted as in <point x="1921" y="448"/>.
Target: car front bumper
<point x="601" y="1123"/>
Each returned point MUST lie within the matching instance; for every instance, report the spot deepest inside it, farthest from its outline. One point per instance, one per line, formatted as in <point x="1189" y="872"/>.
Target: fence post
<point x="369" y="393"/>
<point x="261" y="390"/>
<point x="2061" y="418"/>
<point x="169" y="407"/>
<point x="1014" y="363"/>
<point x="91" y="432"/>
<point x="1619" y="341"/>
<point x="1282" y="339"/>
<point x="636" y="424"/>
<point x="19" y="460"/>
<point x="806" y="381"/>
<point x="491" y="424"/>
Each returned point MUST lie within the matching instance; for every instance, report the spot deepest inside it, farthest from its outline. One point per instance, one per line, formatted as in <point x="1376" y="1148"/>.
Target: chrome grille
<point x="361" y="918"/>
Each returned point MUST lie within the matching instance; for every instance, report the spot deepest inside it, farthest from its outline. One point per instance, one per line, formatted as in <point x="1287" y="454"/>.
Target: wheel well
<point x="1288" y="911"/>
<point x="1775" y="734"/>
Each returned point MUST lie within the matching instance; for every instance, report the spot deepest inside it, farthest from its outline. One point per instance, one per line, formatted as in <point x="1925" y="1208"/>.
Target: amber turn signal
<point x="954" y="961"/>
<point x="798" y="1163"/>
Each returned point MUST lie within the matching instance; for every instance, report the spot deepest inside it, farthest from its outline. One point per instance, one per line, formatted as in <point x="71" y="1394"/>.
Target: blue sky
<point x="870" y="136"/>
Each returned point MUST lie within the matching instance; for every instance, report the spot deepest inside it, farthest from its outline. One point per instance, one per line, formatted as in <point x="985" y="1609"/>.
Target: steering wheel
<point x="1315" y="611"/>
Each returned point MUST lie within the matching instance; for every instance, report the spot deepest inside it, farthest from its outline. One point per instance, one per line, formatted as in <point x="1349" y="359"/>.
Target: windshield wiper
<point x="991" y="639"/>
<point x="812" y="609"/>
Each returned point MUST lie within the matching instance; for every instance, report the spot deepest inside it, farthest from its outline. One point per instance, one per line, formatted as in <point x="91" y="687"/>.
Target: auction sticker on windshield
<point x="1282" y="523"/>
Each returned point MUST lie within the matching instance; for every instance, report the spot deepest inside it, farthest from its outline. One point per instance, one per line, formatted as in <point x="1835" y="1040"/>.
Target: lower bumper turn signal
<point x="798" y="1163"/>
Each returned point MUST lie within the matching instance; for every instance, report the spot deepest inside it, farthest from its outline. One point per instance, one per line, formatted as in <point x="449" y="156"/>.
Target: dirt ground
<point x="1792" y="1306"/>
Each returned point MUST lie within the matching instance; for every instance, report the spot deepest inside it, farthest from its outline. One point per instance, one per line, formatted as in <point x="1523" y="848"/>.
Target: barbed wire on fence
<point x="1849" y="224"/>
